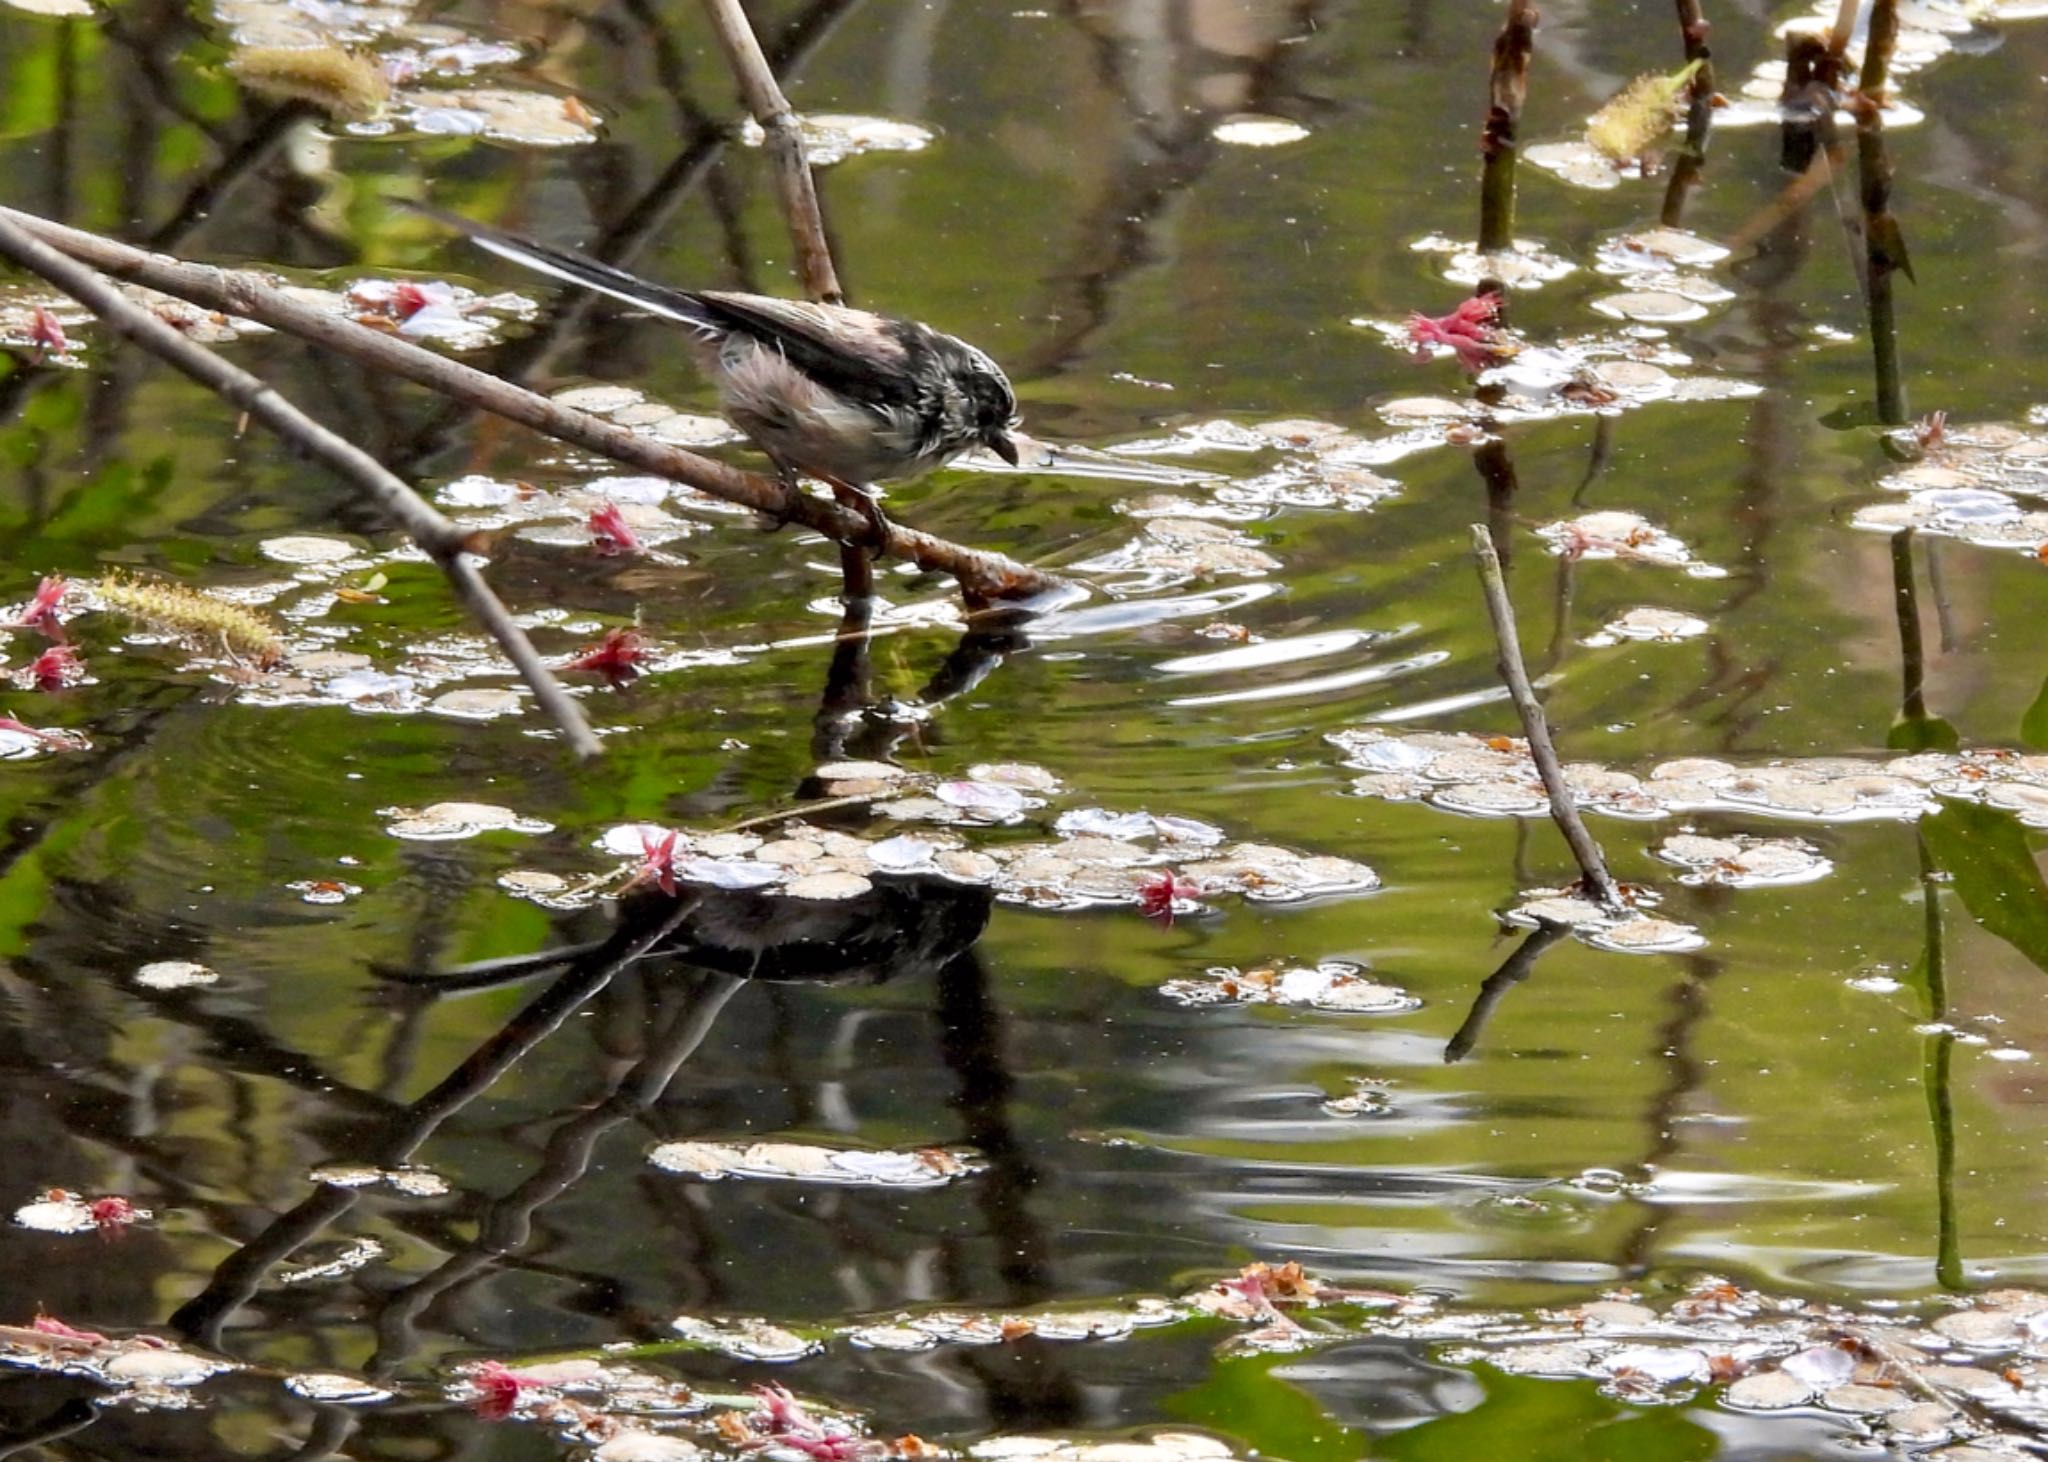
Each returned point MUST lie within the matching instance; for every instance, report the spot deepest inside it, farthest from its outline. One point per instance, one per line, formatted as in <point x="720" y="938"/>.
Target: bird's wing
<point x="579" y="269"/>
<point x="864" y="356"/>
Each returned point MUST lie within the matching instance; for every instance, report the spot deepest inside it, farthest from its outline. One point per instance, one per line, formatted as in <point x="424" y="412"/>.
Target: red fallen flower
<point x="618" y="656"/>
<point x="46" y="334"/>
<point x="781" y="1421"/>
<point x="1469" y="330"/>
<point x="609" y="533"/>
<point x="826" y="1446"/>
<point x="776" y="1409"/>
<point x="1251" y="1290"/>
<point x="55" y="668"/>
<point x="658" y="866"/>
<point x="1157" y="896"/>
<point x="499" y="1388"/>
<point x="111" y="1213"/>
<point x="64" y="739"/>
<point x="51" y="1325"/>
<point x="408" y="299"/>
<point x="41" y="611"/>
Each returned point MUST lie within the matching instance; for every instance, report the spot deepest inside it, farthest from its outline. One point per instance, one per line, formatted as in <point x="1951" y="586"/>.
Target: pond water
<point x="1021" y="1138"/>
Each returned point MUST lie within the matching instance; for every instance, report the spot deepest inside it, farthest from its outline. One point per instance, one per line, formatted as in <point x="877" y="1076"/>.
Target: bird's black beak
<point x="1003" y="445"/>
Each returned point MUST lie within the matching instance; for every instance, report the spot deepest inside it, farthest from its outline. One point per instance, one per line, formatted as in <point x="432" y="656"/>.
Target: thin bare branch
<point x="793" y="182"/>
<point x="442" y="540"/>
<point x="1564" y="808"/>
<point x="984" y="577"/>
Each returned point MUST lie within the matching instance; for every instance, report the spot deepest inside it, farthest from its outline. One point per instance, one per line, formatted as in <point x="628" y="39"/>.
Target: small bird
<point x="843" y="395"/>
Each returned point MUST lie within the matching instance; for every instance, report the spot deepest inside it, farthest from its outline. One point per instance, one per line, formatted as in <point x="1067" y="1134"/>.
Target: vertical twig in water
<point x="1884" y="246"/>
<point x="1564" y="809"/>
<point x="1699" y="112"/>
<point x="793" y="181"/>
<point x="1912" y="652"/>
<point x="442" y="540"/>
<point x="1807" y="101"/>
<point x="1877" y="48"/>
<point x="1934" y="1079"/>
<point x="1506" y="89"/>
<point x="1692" y="23"/>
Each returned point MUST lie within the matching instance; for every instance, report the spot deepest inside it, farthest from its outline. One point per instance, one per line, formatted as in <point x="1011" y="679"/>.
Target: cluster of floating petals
<point x="1158" y="1446"/>
<point x="1664" y="274"/>
<point x="1960" y="1371"/>
<point x="1250" y="129"/>
<point x="831" y="137"/>
<point x="1972" y="483"/>
<point x="19" y="741"/>
<point x="1523" y="265"/>
<point x="1908" y="1379"/>
<point x="60" y="1211"/>
<point x="972" y="1327"/>
<point x="1616" y="534"/>
<point x="336" y="1389"/>
<point x="516" y="115"/>
<point x="1580" y="163"/>
<point x="407" y="1182"/>
<point x="1973" y="1374"/>
<point x="174" y="974"/>
<point x="453" y="821"/>
<point x="925" y="1167"/>
<point x="1624" y="931"/>
<point x="749" y="1338"/>
<point x="1368" y="1097"/>
<point x="1172" y="551"/>
<point x="1301" y="464"/>
<point x="139" y="1370"/>
<point x="343" y="1259"/>
<point x="1096" y="856"/>
<point x="1331" y="985"/>
<point x="619" y="1412"/>
<point x="1648" y="623"/>
<point x="427" y="310"/>
<point x="1494" y="776"/>
<point x="624" y="406"/>
<point x="1264" y="1294"/>
<point x="1744" y="861"/>
<point x="632" y="511"/>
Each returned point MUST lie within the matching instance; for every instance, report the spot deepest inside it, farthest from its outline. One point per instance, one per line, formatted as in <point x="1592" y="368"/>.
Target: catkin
<point x="1623" y="130"/>
<point x="195" y="615"/>
<point x="339" y="82"/>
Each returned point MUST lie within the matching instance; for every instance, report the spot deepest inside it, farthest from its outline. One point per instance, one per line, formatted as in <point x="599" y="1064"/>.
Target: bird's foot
<point x="866" y="504"/>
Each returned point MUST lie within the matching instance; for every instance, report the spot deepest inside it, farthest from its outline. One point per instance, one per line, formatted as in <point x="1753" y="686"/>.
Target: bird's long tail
<point x="578" y="269"/>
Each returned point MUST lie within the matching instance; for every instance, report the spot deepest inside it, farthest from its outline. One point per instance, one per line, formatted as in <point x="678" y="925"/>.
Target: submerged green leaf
<point x="1986" y="855"/>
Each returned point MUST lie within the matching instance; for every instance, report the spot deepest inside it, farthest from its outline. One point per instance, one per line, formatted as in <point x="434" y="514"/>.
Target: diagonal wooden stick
<point x="793" y="180"/>
<point x="443" y="541"/>
<point x="983" y="577"/>
<point x="1564" y="808"/>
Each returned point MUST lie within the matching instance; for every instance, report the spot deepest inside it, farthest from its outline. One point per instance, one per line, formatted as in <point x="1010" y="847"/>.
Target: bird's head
<point x="991" y="403"/>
